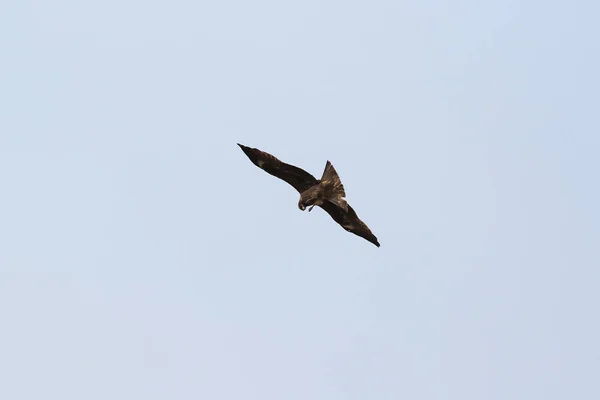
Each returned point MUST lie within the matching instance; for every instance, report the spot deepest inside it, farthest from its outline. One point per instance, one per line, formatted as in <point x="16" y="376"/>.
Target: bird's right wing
<point x="350" y="221"/>
<point x="297" y="177"/>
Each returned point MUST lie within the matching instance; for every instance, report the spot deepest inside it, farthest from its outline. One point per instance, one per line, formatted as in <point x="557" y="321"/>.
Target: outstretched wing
<point x="297" y="177"/>
<point x="350" y="221"/>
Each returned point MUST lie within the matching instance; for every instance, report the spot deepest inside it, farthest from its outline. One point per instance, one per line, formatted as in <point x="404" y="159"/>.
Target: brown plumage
<point x="327" y="192"/>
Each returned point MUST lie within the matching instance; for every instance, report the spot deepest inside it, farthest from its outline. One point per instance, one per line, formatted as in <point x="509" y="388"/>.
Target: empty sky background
<point x="142" y="255"/>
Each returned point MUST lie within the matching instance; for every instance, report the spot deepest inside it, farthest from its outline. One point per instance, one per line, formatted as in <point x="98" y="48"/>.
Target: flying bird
<point x="327" y="192"/>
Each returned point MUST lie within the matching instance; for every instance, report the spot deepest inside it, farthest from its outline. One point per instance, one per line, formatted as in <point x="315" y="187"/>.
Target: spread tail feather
<point x="332" y="179"/>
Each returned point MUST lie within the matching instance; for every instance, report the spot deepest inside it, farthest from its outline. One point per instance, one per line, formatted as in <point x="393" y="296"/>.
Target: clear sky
<point x="142" y="255"/>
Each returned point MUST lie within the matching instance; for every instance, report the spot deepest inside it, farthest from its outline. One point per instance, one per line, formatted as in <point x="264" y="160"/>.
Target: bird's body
<point x="328" y="188"/>
<point x="314" y="196"/>
<point x="327" y="192"/>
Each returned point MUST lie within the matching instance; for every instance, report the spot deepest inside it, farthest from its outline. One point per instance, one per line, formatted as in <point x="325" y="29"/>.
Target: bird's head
<point x="301" y="205"/>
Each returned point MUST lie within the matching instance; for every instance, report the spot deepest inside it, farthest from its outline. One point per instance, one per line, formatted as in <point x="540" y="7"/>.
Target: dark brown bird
<point x="327" y="192"/>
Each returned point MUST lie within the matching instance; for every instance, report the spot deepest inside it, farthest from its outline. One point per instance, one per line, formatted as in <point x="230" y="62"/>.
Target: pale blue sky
<point x="144" y="257"/>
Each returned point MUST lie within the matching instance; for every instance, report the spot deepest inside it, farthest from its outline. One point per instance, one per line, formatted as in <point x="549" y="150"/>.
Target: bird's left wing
<point x="350" y="221"/>
<point x="297" y="177"/>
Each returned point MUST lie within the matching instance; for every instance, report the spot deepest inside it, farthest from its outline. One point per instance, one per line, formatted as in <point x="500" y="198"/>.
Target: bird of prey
<point x="327" y="192"/>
